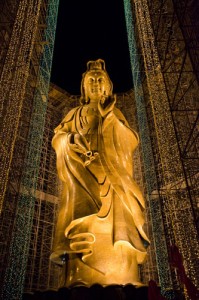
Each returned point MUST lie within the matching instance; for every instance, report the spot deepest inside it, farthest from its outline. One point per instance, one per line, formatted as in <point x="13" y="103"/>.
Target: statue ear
<point x="86" y="98"/>
<point x="110" y="91"/>
<point x="82" y="101"/>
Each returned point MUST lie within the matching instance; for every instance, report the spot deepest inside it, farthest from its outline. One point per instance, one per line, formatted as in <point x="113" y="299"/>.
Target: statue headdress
<point x="96" y="65"/>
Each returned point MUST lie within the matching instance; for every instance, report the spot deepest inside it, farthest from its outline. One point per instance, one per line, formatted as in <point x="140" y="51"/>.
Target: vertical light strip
<point x="176" y="201"/>
<point x="178" y="206"/>
<point x="19" y="249"/>
<point x="149" y="169"/>
<point x="13" y="82"/>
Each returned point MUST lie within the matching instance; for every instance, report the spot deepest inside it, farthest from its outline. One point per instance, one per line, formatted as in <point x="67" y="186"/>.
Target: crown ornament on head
<point x="98" y="64"/>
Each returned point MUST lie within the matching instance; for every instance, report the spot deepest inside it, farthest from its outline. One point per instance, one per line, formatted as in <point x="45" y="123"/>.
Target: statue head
<point x="95" y="81"/>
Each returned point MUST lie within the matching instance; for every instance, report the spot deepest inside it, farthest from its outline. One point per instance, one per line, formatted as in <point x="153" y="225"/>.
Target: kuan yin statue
<point x="99" y="234"/>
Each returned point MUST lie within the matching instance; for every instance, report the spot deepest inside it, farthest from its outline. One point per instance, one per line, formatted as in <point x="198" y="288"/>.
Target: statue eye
<point x="90" y="80"/>
<point x="101" y="80"/>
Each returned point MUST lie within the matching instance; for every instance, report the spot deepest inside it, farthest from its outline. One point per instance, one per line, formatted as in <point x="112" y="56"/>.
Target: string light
<point x="149" y="168"/>
<point x="15" y="273"/>
<point x="13" y="82"/>
<point x="175" y="201"/>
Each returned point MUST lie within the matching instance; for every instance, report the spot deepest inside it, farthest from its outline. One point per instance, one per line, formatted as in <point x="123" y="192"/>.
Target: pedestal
<point x="95" y="292"/>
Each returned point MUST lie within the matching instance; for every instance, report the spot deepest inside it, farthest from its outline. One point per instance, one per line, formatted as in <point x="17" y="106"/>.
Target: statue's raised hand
<point x="106" y="105"/>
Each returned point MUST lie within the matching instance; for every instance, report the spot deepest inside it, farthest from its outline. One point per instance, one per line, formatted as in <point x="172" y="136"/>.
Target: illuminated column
<point x="13" y="82"/>
<point x="15" y="273"/>
<point x="172" y="183"/>
<point x="151" y="181"/>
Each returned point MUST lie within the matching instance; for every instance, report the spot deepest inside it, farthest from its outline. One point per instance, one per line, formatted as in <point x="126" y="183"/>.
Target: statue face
<point x="96" y="84"/>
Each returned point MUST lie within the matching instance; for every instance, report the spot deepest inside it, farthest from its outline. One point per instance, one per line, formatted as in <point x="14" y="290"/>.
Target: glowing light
<point x="13" y="82"/>
<point x="175" y="201"/>
<point x="15" y="273"/>
<point x="151" y="181"/>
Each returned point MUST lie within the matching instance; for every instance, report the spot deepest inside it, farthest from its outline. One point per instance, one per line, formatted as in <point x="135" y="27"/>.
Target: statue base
<point x="95" y="292"/>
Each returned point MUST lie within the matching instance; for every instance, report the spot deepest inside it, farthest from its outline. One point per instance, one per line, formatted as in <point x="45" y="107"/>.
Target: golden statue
<point x="100" y="224"/>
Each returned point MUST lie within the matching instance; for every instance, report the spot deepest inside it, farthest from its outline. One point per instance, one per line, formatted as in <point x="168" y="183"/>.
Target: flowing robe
<point x="103" y="190"/>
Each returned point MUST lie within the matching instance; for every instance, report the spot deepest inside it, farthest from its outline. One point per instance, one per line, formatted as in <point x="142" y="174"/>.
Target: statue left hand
<point x="105" y="109"/>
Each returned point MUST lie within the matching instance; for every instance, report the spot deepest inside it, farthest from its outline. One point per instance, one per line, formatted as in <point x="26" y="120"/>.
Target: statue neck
<point x="92" y="103"/>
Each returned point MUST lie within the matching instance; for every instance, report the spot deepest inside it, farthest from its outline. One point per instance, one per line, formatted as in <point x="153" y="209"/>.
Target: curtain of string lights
<point x="13" y="81"/>
<point x="151" y="181"/>
<point x="28" y="12"/>
<point x="172" y="184"/>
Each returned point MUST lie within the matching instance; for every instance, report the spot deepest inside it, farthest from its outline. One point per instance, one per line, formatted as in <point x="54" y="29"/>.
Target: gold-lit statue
<point x="100" y="225"/>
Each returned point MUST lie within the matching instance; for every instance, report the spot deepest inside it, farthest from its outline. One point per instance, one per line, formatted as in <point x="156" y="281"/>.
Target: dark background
<point x="88" y="30"/>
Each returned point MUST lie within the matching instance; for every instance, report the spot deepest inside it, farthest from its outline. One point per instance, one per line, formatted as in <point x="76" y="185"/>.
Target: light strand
<point x="13" y="82"/>
<point x="151" y="181"/>
<point x="19" y="249"/>
<point x="176" y="199"/>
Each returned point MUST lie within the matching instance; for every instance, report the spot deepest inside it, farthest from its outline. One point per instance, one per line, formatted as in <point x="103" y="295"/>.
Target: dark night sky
<point x="89" y="30"/>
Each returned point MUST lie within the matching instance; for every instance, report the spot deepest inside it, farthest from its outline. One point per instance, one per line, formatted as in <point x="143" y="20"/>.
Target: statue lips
<point x="96" y="90"/>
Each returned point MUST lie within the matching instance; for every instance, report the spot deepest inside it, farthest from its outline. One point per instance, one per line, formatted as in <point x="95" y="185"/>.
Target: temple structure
<point x="162" y="108"/>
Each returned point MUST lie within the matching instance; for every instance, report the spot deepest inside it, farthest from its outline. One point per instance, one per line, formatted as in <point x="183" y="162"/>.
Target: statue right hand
<point x="105" y="108"/>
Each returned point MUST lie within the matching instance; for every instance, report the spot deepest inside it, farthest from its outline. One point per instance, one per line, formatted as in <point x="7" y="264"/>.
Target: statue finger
<point x="81" y="242"/>
<point x="83" y="237"/>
